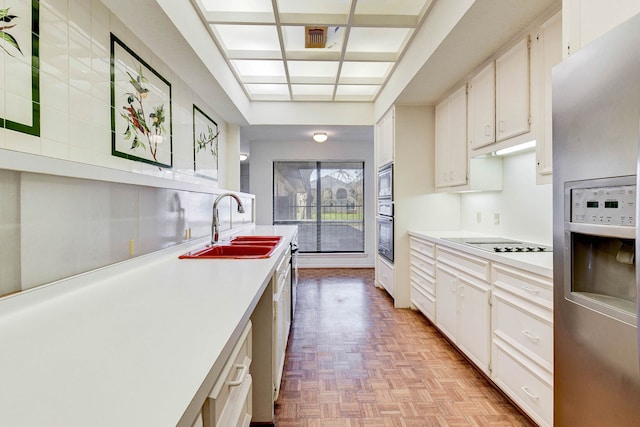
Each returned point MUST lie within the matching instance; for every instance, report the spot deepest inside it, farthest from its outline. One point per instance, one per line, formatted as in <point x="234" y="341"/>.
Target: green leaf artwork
<point x="6" y="24"/>
<point x="205" y="145"/>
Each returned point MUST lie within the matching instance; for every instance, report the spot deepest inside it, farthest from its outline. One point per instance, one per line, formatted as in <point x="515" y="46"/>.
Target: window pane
<point x="336" y="224"/>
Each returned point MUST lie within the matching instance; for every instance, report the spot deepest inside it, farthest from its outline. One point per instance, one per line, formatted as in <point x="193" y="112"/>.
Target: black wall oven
<point x="385" y="237"/>
<point x="385" y="212"/>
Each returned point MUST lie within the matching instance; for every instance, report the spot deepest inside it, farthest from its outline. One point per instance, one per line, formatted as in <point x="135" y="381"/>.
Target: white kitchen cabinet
<point x="229" y="402"/>
<point x="462" y="303"/>
<point x="422" y="276"/>
<point x="454" y="169"/>
<point x="281" y="317"/>
<point x="586" y="20"/>
<point x="548" y="44"/>
<point x="451" y="140"/>
<point x="522" y="339"/>
<point x="513" y="115"/>
<point x="385" y="138"/>
<point x="384" y="275"/>
<point x="482" y="108"/>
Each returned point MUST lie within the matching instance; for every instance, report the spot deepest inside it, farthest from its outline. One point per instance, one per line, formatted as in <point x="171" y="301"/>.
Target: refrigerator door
<point x="596" y="126"/>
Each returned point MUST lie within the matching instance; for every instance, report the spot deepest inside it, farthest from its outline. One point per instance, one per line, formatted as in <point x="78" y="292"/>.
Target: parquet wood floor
<point x="353" y="360"/>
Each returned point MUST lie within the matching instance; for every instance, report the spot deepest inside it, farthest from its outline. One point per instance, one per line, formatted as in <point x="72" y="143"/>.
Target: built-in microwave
<point x="385" y="182"/>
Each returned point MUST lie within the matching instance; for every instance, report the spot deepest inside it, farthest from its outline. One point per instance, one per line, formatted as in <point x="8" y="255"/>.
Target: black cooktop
<point x="499" y="244"/>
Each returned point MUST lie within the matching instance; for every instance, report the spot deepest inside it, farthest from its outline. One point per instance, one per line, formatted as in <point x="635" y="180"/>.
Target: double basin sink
<point x="240" y="247"/>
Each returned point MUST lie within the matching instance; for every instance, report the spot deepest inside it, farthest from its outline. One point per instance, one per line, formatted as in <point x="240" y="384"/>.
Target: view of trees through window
<point x="333" y="222"/>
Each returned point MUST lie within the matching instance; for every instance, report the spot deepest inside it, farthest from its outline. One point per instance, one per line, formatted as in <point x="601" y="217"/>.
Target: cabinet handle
<point x="444" y="177"/>
<point x="531" y="337"/>
<point x="532" y="291"/>
<point x="243" y="373"/>
<point x="487" y="130"/>
<point x="501" y="125"/>
<point x="531" y="395"/>
<point x="451" y="175"/>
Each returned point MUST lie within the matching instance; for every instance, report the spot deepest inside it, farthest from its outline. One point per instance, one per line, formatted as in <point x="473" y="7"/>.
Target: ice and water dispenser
<point x="600" y="230"/>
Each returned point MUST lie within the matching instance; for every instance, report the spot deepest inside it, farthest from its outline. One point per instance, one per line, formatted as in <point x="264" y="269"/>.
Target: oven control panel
<point x="614" y="205"/>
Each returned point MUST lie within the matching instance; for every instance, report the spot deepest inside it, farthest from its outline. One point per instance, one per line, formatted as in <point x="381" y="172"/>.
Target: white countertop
<point x="128" y="345"/>
<point x="534" y="262"/>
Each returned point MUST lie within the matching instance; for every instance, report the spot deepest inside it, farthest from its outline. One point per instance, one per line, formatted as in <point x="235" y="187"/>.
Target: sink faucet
<point x="215" y="221"/>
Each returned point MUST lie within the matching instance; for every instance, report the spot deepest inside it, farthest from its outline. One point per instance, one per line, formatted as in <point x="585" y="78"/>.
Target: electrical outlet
<point x="478" y="217"/>
<point x="496" y="218"/>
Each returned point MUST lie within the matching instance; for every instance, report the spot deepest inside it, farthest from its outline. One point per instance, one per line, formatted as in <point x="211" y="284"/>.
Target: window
<point x="335" y="223"/>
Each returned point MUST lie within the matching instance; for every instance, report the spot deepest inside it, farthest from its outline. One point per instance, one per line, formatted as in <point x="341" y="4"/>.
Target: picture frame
<point x="141" y="124"/>
<point x="20" y="63"/>
<point x="205" y="145"/>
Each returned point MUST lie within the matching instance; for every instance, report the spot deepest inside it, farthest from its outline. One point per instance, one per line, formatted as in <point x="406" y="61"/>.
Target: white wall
<point x="261" y="184"/>
<point x="525" y="208"/>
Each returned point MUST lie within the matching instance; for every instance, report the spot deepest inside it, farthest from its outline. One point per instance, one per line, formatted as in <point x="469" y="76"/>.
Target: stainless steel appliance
<point x="385" y="212"/>
<point x="596" y="129"/>
<point x="385" y="237"/>
<point x="385" y="181"/>
<point x="499" y="244"/>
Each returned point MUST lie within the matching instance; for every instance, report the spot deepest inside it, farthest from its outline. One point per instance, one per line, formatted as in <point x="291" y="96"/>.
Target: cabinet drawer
<point x="469" y="264"/>
<point x="237" y="413"/>
<point x="423" y="263"/>
<point x="423" y="301"/>
<point x="424" y="281"/>
<point x="528" y="385"/>
<point x="384" y="275"/>
<point x="526" y="327"/>
<point x="532" y="287"/>
<point x="231" y="383"/>
<point x="422" y="247"/>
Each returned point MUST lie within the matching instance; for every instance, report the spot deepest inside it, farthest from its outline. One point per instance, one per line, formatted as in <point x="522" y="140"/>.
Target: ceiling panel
<point x="263" y="42"/>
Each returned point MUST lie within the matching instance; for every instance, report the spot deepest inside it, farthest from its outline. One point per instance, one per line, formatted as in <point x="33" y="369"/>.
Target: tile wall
<point x="56" y="226"/>
<point x="75" y="104"/>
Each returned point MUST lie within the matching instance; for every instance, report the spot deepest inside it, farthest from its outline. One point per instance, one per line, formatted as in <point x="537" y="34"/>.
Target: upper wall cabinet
<point x="513" y="92"/>
<point x="586" y="20"/>
<point x="500" y="102"/>
<point x="451" y="140"/>
<point x="454" y="170"/>
<point x="548" y="47"/>
<point x="482" y="104"/>
<point x="385" y="138"/>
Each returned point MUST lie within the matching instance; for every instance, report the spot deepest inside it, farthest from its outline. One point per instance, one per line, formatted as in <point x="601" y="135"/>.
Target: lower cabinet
<point x="281" y="318"/>
<point x="229" y="401"/>
<point x="500" y="317"/>
<point x="522" y="341"/>
<point x="384" y="274"/>
<point x="462" y="304"/>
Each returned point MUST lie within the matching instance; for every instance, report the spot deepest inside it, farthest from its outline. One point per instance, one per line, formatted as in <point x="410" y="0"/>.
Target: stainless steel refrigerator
<point x="596" y="130"/>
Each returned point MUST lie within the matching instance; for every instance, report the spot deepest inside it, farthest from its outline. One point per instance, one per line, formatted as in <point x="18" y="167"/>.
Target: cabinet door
<point x="458" y="137"/>
<point x="447" y="302"/>
<point x="587" y="20"/>
<point x="550" y="41"/>
<point x="482" y="108"/>
<point x="385" y="138"/>
<point x="513" y="92"/>
<point x="474" y="322"/>
<point x="442" y="142"/>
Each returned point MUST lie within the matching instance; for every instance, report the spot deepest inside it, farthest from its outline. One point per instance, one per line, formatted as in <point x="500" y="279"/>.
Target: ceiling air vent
<point x="315" y="37"/>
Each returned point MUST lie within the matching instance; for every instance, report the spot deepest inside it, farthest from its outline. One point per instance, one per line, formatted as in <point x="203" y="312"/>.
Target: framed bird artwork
<point x="140" y="109"/>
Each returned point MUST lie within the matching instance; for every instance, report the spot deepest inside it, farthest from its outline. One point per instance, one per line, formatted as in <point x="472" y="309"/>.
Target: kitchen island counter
<point x="130" y="344"/>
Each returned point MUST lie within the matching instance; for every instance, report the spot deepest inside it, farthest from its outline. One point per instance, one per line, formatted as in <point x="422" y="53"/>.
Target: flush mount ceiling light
<point x="243" y="157"/>
<point x="320" y="137"/>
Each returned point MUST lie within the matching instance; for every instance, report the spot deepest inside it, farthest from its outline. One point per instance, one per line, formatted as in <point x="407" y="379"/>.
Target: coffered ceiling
<point x="263" y="42"/>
